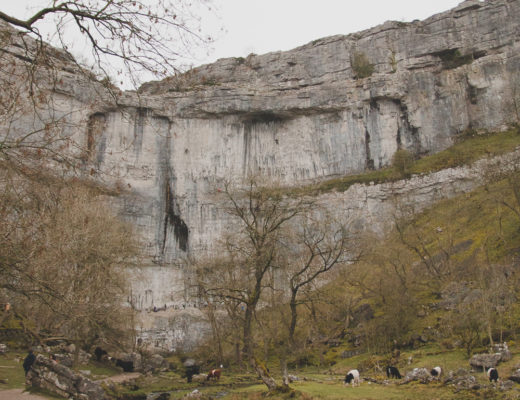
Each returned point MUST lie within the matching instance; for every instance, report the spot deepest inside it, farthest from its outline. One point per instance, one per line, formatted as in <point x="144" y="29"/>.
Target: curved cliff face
<point x="336" y="106"/>
<point x="298" y="116"/>
<point x="303" y="115"/>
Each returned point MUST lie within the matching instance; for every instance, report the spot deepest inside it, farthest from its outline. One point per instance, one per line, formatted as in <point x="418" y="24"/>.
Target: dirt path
<point x="118" y="378"/>
<point x="19" y="394"/>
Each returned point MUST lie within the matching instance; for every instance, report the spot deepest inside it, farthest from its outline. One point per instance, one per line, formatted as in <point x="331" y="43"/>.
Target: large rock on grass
<point x="461" y="380"/>
<point x="515" y="376"/>
<point x="61" y="380"/>
<point x="418" y="374"/>
<point x="483" y="361"/>
<point x="487" y="360"/>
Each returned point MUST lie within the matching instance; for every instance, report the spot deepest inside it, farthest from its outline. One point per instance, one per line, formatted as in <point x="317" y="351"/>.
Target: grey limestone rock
<point x="483" y="361"/>
<point x="461" y="380"/>
<point x="515" y="376"/>
<point x="59" y="379"/>
<point x="417" y="374"/>
<point x="488" y="360"/>
<point x="297" y="117"/>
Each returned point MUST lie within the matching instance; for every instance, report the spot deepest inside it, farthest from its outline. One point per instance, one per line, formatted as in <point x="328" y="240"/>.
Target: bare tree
<point x="249" y="254"/>
<point x="134" y="34"/>
<point x="313" y="247"/>
<point x="61" y="262"/>
<point x="60" y="248"/>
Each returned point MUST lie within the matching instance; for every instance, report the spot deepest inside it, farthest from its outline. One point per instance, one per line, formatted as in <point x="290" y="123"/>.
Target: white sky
<point x="261" y="26"/>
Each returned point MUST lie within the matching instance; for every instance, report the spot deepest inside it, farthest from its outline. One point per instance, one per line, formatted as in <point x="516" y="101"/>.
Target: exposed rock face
<point x="482" y="362"/>
<point x="418" y="374"/>
<point x="462" y="380"/>
<point x="61" y="380"/>
<point x="173" y="329"/>
<point x="301" y="115"/>
<point x="296" y="117"/>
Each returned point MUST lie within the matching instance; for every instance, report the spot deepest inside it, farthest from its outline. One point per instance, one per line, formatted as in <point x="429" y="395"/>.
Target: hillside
<point x="398" y="306"/>
<point x="372" y="127"/>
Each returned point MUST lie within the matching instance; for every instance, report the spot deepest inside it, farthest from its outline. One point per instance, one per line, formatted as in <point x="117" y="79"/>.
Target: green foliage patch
<point x="361" y="66"/>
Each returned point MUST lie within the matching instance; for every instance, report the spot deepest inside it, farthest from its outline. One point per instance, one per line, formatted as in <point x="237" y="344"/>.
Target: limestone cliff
<point x="336" y="106"/>
<point x="304" y="115"/>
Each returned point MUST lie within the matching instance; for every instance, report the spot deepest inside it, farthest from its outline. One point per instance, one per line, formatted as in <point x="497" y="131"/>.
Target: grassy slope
<point x="469" y="217"/>
<point x="467" y="150"/>
<point x="472" y="216"/>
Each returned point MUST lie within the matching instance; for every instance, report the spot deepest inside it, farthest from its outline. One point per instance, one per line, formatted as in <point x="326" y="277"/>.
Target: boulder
<point x="129" y="361"/>
<point x="199" y="378"/>
<point x="61" y="380"/>
<point x="482" y="361"/>
<point x="155" y="362"/>
<point x="418" y="374"/>
<point x="503" y="350"/>
<point x="158" y="396"/>
<point x="194" y="395"/>
<point x="505" y="385"/>
<point x="3" y="348"/>
<point x="64" y="359"/>
<point x="515" y="376"/>
<point x="461" y="380"/>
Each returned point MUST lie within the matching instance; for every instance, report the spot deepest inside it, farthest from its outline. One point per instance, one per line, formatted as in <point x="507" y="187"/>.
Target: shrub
<point x="453" y="58"/>
<point x="402" y="161"/>
<point x="361" y="66"/>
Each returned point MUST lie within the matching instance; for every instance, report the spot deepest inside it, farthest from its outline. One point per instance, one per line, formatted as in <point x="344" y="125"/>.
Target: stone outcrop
<point x="487" y="360"/>
<point x="296" y="117"/>
<point x="301" y="116"/>
<point x="61" y="380"/>
<point x="462" y="380"/>
<point x="481" y="362"/>
<point x="421" y="375"/>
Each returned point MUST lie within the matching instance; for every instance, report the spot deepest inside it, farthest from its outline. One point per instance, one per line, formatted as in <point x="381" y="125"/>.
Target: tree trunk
<point x="238" y="354"/>
<point x="248" y="344"/>
<point x="490" y="334"/>
<point x="294" y="316"/>
<point x="264" y="375"/>
<point x="283" y="367"/>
